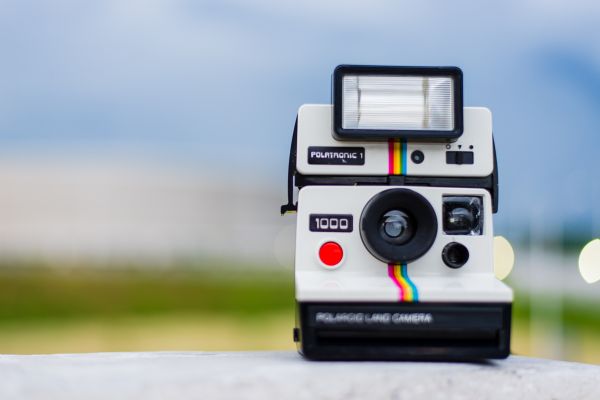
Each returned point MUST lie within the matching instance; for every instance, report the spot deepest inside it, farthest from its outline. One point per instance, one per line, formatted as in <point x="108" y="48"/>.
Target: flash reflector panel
<point x="397" y="102"/>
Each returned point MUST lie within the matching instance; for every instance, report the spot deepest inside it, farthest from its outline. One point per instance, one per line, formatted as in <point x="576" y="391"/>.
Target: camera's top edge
<point x="398" y="69"/>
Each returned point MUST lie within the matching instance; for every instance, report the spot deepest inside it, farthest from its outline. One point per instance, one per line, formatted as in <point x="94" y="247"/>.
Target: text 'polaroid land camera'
<point x="394" y="242"/>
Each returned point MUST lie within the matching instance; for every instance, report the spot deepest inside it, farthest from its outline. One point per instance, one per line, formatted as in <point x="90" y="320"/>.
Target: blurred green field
<point x="28" y="294"/>
<point x="59" y="310"/>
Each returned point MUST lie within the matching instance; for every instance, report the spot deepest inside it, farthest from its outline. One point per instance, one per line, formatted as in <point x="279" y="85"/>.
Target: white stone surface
<point x="285" y="375"/>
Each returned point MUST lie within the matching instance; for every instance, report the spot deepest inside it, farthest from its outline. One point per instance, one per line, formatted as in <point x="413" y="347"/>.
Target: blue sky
<point x="215" y="86"/>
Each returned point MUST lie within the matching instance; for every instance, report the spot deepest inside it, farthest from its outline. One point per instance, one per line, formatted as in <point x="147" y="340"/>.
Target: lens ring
<point x="412" y="204"/>
<point x="455" y="255"/>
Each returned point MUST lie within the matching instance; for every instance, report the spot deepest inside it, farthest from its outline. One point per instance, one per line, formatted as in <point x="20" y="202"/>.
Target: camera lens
<point x="455" y="255"/>
<point x="417" y="156"/>
<point x="460" y="218"/>
<point x="463" y="215"/>
<point x="396" y="227"/>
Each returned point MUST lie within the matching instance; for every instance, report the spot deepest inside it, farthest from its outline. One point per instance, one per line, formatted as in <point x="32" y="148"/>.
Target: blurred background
<point x="144" y="145"/>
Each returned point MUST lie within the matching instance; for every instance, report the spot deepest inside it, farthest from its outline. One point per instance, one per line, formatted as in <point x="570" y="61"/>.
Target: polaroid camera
<point x="394" y="242"/>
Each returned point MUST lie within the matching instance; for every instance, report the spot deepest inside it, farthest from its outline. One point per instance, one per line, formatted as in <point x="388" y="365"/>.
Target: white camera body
<point x="394" y="244"/>
<point x="315" y="130"/>
<point x="361" y="277"/>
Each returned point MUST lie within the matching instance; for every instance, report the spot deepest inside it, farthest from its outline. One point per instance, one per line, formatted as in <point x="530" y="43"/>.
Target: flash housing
<point x="399" y="106"/>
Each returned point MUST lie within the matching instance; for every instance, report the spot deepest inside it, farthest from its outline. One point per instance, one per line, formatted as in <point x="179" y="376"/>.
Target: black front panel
<point x="404" y="331"/>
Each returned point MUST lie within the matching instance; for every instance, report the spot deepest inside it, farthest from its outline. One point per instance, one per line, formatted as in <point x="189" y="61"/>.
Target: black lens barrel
<point x="402" y="206"/>
<point x="455" y="255"/>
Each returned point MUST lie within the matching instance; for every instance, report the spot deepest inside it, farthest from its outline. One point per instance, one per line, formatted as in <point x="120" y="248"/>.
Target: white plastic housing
<point x="362" y="277"/>
<point x="315" y="128"/>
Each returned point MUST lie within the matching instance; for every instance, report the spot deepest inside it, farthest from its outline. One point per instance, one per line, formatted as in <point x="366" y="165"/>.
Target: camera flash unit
<point x="380" y="102"/>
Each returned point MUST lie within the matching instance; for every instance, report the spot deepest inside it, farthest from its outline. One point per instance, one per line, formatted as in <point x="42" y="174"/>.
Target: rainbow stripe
<point x="397" y="157"/>
<point x="399" y="275"/>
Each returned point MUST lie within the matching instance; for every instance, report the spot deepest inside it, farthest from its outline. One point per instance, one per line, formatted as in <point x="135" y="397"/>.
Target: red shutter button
<point x="331" y="254"/>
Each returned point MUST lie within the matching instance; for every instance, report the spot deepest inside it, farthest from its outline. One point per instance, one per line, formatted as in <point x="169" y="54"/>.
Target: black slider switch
<point x="459" y="157"/>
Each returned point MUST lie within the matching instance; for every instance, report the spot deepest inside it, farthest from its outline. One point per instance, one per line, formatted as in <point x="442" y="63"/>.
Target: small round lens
<point x="460" y="218"/>
<point x="396" y="227"/>
<point x="455" y="255"/>
<point x="417" y="156"/>
<point x="462" y="215"/>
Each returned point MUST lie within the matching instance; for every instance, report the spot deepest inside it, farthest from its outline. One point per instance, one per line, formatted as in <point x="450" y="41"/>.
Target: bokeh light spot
<point x="589" y="261"/>
<point x="504" y="257"/>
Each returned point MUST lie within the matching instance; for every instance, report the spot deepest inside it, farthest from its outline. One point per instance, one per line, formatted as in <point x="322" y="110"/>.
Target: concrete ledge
<point x="285" y="375"/>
